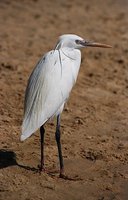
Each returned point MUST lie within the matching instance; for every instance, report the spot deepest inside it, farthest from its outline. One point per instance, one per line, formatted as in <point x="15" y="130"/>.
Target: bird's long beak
<point x="96" y="44"/>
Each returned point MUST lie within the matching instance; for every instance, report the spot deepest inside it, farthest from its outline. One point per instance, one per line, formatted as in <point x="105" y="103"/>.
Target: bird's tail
<point x="29" y="127"/>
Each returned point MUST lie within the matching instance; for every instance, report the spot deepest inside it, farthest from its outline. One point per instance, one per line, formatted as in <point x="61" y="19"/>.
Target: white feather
<point x="49" y="87"/>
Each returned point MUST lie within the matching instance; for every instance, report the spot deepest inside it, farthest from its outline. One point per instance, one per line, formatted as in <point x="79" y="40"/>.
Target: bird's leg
<point x="57" y="136"/>
<point x="42" y="131"/>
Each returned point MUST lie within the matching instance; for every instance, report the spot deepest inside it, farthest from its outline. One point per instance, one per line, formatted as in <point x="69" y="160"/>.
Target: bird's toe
<point x="74" y="178"/>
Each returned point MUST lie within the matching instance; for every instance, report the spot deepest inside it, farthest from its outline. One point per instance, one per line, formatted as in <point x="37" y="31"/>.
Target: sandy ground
<point x="95" y="121"/>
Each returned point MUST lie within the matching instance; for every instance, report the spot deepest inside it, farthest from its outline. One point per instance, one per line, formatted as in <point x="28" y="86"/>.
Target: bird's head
<point x="75" y="42"/>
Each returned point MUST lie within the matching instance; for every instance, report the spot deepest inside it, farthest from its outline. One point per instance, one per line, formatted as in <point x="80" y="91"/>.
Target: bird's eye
<point x="77" y="41"/>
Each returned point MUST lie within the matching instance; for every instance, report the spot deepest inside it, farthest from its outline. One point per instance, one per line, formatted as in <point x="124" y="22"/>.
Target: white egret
<point x="49" y="87"/>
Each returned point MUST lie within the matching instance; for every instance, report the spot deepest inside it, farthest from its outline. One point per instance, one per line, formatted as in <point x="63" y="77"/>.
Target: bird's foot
<point x="41" y="169"/>
<point x="74" y="178"/>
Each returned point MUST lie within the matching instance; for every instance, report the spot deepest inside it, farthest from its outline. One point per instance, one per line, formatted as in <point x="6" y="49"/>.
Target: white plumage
<point x="49" y="87"/>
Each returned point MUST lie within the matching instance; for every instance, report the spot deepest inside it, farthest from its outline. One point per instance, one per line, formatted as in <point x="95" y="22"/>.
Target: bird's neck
<point x="70" y="52"/>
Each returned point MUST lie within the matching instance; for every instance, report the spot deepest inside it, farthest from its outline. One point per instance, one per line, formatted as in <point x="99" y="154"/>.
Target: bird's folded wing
<point x="48" y="88"/>
<point x="44" y="94"/>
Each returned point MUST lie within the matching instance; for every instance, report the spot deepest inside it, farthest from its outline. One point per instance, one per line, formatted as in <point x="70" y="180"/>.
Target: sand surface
<point x="94" y="123"/>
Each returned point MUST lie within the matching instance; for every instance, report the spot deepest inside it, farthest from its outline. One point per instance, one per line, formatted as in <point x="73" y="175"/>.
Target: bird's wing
<point x="48" y="88"/>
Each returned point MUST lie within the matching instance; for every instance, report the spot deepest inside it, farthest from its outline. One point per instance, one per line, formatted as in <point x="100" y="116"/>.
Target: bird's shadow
<point x="8" y="158"/>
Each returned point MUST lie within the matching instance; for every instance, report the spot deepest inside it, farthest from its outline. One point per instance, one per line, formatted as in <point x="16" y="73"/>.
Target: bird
<point x="49" y="87"/>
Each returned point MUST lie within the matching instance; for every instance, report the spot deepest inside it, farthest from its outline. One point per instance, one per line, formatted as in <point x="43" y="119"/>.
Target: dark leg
<point x="57" y="136"/>
<point x="42" y="131"/>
